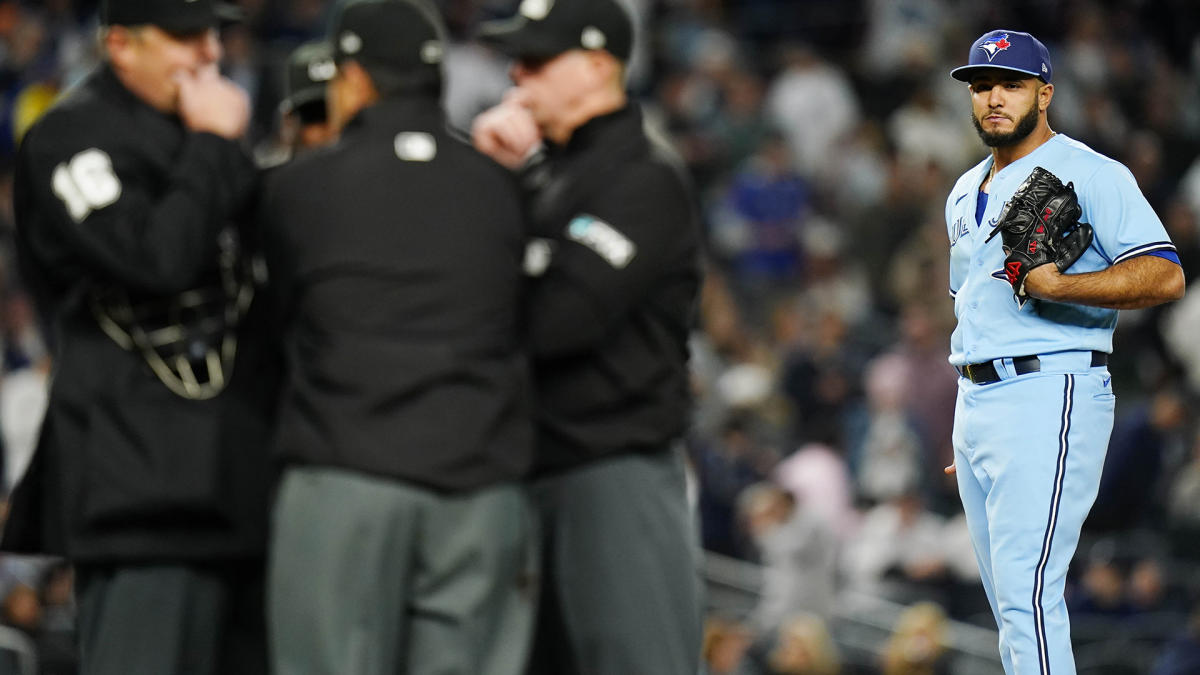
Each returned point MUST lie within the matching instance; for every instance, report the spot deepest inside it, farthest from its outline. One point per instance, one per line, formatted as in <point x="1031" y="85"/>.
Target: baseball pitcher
<point x="1048" y="240"/>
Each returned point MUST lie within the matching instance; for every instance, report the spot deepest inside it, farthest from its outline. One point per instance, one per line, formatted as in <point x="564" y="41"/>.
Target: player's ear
<point x="1045" y="93"/>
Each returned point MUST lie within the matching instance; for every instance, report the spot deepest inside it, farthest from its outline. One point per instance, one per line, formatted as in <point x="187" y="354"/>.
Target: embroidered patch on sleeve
<point x="604" y="239"/>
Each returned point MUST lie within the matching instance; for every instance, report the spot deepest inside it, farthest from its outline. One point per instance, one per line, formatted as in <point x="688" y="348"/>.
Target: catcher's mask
<point x="188" y="340"/>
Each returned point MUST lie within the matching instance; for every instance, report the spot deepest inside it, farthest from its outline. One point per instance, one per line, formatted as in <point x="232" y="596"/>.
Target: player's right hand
<point x="212" y="103"/>
<point x="507" y="132"/>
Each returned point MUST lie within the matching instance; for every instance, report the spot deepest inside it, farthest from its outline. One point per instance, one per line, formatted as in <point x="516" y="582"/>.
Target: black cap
<point x="176" y="16"/>
<point x="310" y="67"/>
<point x="543" y="29"/>
<point x="389" y="36"/>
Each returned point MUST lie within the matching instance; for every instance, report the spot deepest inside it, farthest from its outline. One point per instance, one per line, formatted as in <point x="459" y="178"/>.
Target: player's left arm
<point x="1143" y="268"/>
<point x="1143" y="281"/>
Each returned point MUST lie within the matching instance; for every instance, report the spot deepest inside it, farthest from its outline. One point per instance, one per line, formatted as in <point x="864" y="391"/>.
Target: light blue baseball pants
<point x="1029" y="451"/>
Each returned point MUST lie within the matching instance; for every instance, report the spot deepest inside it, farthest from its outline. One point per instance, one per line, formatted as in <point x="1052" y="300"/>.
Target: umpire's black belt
<point x="985" y="373"/>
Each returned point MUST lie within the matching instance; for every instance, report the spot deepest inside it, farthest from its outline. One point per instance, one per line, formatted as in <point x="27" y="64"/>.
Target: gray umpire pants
<point x="171" y="619"/>
<point x="621" y="584"/>
<point x="374" y="576"/>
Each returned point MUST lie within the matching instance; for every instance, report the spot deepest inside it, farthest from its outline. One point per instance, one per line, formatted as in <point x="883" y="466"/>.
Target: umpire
<point x="402" y="534"/>
<point x="150" y="474"/>
<point x="304" y="106"/>
<point x="609" y="319"/>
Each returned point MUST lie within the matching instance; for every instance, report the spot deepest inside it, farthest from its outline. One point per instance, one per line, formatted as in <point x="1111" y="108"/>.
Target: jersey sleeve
<point x="610" y="258"/>
<point x="95" y="206"/>
<point x="1125" y="225"/>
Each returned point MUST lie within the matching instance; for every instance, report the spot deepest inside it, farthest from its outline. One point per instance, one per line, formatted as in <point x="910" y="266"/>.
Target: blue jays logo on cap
<point x="993" y="47"/>
<point x="1006" y="50"/>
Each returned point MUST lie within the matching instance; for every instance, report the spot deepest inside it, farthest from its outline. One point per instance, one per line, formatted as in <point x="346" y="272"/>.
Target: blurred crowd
<point x="823" y="137"/>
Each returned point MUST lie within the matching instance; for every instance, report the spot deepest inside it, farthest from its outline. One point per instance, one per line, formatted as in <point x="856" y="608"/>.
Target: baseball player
<point x="1048" y="240"/>
<point x="609" y="315"/>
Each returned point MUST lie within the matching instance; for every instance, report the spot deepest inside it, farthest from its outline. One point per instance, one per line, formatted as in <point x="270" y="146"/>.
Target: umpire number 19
<point x="86" y="183"/>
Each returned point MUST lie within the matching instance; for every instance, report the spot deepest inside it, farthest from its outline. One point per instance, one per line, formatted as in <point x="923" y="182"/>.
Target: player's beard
<point x="1025" y="126"/>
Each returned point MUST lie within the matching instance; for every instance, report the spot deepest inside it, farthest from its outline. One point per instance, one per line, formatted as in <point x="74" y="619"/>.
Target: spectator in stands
<point x="965" y="598"/>
<point x="929" y="391"/>
<point x="801" y="646"/>
<point x="804" y="648"/>
<point x="23" y="399"/>
<point x="724" y="647"/>
<point x="814" y="104"/>
<point x="834" y="279"/>
<point x="918" y="645"/>
<point x="56" y="639"/>
<point x="821" y="377"/>
<point x="897" y="552"/>
<point x="758" y="221"/>
<point x="1183" y="505"/>
<point x="1101" y="591"/>
<point x="1141" y="443"/>
<point x="1182" y="655"/>
<point x="724" y="467"/>
<point x="925" y="133"/>
<point x="798" y="554"/>
<point x="890" y="458"/>
<point x="817" y="476"/>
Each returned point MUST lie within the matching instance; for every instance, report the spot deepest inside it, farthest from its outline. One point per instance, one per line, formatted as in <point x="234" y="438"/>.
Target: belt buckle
<point x="967" y="370"/>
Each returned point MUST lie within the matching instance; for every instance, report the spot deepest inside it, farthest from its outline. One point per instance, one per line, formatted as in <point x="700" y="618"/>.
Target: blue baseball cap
<point x="1006" y="50"/>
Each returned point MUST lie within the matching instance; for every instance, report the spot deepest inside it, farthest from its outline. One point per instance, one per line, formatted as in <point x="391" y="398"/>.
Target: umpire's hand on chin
<point x="507" y="132"/>
<point x="211" y="103"/>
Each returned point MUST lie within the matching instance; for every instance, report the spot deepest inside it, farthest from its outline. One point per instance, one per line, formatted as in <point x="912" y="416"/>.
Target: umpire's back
<point x="395" y="255"/>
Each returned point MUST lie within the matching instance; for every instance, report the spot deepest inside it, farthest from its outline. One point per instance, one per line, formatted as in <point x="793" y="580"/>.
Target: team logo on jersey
<point x="1003" y="275"/>
<point x="994" y="47"/>
<point x="959" y="231"/>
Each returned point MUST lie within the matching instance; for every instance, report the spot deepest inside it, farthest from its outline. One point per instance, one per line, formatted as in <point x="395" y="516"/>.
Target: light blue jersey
<point x="992" y="323"/>
<point x="1029" y="441"/>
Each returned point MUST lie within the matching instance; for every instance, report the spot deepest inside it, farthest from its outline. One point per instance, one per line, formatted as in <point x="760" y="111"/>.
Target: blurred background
<point x="822" y="137"/>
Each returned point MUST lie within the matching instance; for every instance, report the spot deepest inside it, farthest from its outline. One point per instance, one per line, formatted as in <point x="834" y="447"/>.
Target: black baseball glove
<point x="1040" y="225"/>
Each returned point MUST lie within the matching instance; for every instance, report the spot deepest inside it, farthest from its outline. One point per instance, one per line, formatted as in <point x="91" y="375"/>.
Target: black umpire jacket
<point x="610" y="316"/>
<point x="396" y="255"/>
<point x="109" y="193"/>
